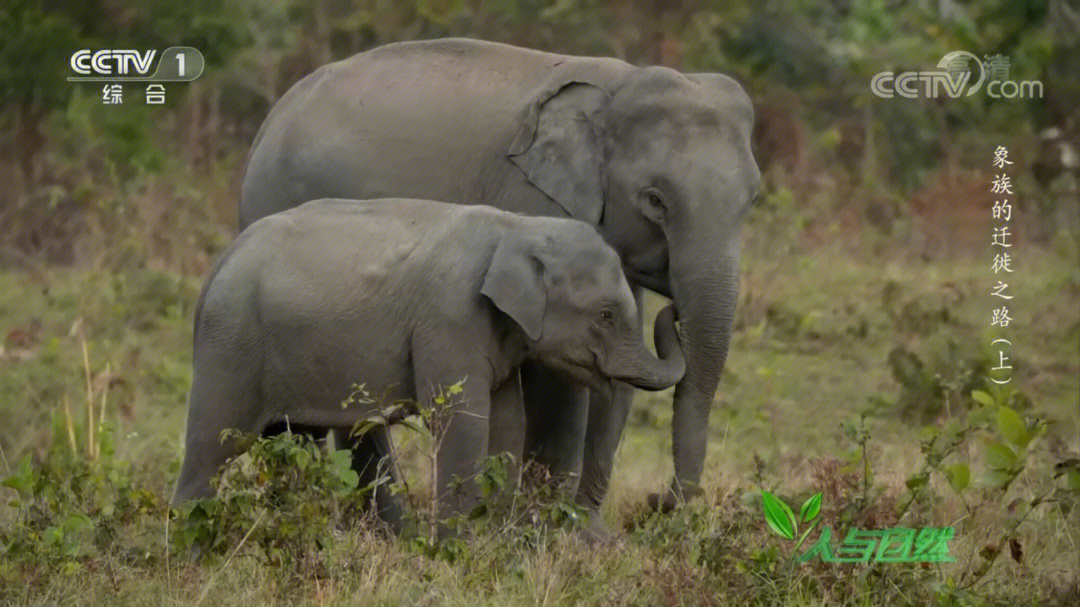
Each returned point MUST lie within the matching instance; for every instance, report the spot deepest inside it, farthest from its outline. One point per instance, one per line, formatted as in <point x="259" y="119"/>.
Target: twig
<point x="866" y="463"/>
<point x="69" y="424"/>
<point x="929" y="468"/>
<point x="104" y="395"/>
<point x="1035" y="503"/>
<point x="168" y="574"/>
<point x="3" y="458"/>
<point x="90" y="450"/>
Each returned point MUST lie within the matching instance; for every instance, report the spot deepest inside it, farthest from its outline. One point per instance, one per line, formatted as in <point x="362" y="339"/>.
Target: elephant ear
<point x="559" y="147"/>
<point x="515" y="283"/>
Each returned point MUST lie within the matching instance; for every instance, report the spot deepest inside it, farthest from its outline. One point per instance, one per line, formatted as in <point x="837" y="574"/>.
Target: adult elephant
<point x="658" y="161"/>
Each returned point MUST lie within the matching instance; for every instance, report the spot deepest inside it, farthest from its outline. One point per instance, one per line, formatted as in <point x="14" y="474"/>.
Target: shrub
<point x="284" y="498"/>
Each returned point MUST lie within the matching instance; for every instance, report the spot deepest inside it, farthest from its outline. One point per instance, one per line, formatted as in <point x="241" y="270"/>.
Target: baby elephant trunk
<point x="643" y="370"/>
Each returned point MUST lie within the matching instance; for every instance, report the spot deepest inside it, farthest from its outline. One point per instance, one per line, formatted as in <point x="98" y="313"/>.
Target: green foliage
<point x="75" y="502"/>
<point x="927" y="390"/>
<point x="1004" y="434"/>
<point x="1008" y="439"/>
<point x="283" y="499"/>
<point x="823" y="55"/>
<point x="715" y="546"/>
<point x="693" y="532"/>
<point x="1006" y="446"/>
<point x="521" y="515"/>
<point x="35" y="45"/>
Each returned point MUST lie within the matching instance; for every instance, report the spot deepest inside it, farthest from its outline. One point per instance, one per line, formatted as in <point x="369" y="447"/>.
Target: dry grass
<point x="795" y="373"/>
<point x="824" y="299"/>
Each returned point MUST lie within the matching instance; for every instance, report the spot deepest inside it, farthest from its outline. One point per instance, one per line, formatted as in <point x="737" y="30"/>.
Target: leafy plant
<point x="76" y="499"/>
<point x="518" y="514"/>
<point x="929" y="389"/>
<point x="283" y="499"/>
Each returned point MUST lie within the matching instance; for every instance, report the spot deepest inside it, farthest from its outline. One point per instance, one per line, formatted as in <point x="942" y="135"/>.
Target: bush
<point x="285" y="497"/>
<point x="76" y="502"/>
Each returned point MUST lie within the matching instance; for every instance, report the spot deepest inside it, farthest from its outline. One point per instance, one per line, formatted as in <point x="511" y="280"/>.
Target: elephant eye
<point x="655" y="202"/>
<point x="607" y="317"/>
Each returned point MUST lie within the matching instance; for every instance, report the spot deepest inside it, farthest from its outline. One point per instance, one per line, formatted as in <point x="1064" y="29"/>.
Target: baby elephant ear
<point x="515" y="284"/>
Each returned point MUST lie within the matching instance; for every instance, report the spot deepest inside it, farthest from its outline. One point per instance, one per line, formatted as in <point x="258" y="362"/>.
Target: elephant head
<point x="564" y="286"/>
<point x="661" y="163"/>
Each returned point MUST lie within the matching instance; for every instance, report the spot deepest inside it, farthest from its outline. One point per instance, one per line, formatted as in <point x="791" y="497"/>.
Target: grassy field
<point x="841" y="359"/>
<point x="860" y="370"/>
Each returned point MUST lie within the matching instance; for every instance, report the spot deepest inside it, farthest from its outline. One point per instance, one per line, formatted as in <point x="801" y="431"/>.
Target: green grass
<point x="811" y="352"/>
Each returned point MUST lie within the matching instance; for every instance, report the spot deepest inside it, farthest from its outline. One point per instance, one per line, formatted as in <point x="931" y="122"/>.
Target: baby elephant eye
<point x="607" y="317"/>
<point x="655" y="209"/>
<point x="653" y="198"/>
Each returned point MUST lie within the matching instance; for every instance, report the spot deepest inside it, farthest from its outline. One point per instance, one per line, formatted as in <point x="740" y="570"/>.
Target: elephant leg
<point x="556" y="413"/>
<point x="459" y="422"/>
<point x="220" y="400"/>
<point x="372" y="459"/>
<point x="202" y="459"/>
<point x="461" y="447"/>
<point x="607" y="418"/>
<point x="506" y="433"/>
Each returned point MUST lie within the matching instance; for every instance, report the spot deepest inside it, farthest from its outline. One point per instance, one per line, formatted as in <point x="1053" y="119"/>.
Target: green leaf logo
<point x="782" y="520"/>
<point x="778" y="515"/>
<point x="810" y="509"/>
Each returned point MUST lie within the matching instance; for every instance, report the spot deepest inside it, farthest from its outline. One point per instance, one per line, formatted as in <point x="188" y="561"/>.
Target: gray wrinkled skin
<point x="658" y="161"/>
<point x="405" y="296"/>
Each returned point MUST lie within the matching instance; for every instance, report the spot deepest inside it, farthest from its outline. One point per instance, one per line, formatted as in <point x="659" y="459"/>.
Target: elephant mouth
<point x="582" y="372"/>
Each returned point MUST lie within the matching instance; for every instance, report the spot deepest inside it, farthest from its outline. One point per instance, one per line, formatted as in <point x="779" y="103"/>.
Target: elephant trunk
<point x="705" y="291"/>
<point x="650" y="372"/>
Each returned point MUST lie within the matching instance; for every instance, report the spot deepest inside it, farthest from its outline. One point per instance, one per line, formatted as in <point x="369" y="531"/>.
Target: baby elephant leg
<point x="506" y="433"/>
<point x="201" y="462"/>
<point x="205" y="453"/>
<point x="456" y="389"/>
<point x="461" y="446"/>
<point x="220" y="400"/>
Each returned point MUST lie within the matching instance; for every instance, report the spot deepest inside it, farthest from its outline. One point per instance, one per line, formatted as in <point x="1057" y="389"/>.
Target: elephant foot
<point x="596" y="532"/>
<point x="663" y="502"/>
<point x="666" y="501"/>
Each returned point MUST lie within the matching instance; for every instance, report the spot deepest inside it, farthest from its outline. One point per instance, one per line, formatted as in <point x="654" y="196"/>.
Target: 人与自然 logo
<point x="958" y="74"/>
<point x="893" y="545"/>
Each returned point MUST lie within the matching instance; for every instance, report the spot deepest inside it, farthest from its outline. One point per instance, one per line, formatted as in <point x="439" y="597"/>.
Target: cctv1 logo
<point x="175" y="64"/>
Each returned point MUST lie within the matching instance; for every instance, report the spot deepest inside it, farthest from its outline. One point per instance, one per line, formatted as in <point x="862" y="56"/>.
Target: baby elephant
<point x="405" y="296"/>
